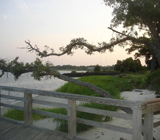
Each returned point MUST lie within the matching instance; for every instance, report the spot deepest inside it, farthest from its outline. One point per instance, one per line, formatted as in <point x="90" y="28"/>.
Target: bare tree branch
<point x="78" y="43"/>
<point x="81" y="43"/>
<point x="2" y="73"/>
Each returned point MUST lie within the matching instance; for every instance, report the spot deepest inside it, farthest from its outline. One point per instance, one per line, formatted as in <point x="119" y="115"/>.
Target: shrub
<point x="73" y="72"/>
<point x="153" y="80"/>
<point x="62" y="125"/>
<point x="97" y="68"/>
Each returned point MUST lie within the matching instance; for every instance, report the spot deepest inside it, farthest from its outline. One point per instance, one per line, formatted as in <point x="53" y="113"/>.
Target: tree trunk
<point x="153" y="62"/>
<point x="90" y="86"/>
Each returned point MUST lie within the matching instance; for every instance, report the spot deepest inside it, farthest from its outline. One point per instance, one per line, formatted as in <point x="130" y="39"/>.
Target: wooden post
<point x="28" y="118"/>
<point x="72" y="118"/>
<point x="0" y="102"/>
<point x="148" y="126"/>
<point x="137" y="124"/>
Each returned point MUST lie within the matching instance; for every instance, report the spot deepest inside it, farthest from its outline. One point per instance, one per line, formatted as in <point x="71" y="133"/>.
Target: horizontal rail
<point x="104" y="112"/>
<point x="12" y="97"/>
<point x="50" y="114"/>
<point x="12" y="106"/>
<point x="145" y="108"/>
<point x="11" y="120"/>
<point x="106" y="126"/>
<point x="49" y="103"/>
<point x="100" y="100"/>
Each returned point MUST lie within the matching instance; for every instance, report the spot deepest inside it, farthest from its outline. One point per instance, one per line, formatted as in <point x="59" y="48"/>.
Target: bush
<point x="62" y="125"/>
<point x="153" y="80"/>
<point x="97" y="68"/>
<point x="73" y="72"/>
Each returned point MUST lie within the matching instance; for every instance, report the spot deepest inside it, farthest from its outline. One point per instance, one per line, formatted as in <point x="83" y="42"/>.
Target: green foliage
<point x="15" y="114"/>
<point x="135" y="12"/>
<point x="62" y="125"/>
<point x="153" y="80"/>
<point x="73" y="72"/>
<point x="17" y="68"/>
<point x="113" y="84"/>
<point x="136" y="16"/>
<point x="97" y="68"/>
<point x="128" y="65"/>
<point x="19" y="115"/>
<point x="40" y="69"/>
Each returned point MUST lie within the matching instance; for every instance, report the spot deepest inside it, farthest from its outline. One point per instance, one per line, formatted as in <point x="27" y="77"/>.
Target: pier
<point x="142" y="117"/>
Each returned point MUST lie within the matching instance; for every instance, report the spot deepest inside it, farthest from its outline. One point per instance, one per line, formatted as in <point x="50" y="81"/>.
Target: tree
<point x="128" y="65"/>
<point x="142" y="14"/>
<point x="97" y="68"/>
<point x="150" y="58"/>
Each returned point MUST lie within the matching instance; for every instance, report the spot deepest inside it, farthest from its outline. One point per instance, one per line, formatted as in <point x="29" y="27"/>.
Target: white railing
<point x="142" y="116"/>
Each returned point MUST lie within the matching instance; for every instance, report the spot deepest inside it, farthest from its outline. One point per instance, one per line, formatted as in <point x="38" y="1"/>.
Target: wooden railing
<point x="142" y="117"/>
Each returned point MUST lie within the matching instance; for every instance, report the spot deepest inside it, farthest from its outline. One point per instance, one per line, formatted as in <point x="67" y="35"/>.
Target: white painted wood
<point x="72" y="118"/>
<point x="12" y="97"/>
<point x="105" y="125"/>
<point x="28" y="115"/>
<point x="50" y="114"/>
<point x="137" y="124"/>
<point x="139" y="108"/>
<point x="100" y="100"/>
<point x="0" y="102"/>
<point x="49" y="103"/>
<point x="105" y="112"/>
<point x="148" y="126"/>
<point x="12" y="106"/>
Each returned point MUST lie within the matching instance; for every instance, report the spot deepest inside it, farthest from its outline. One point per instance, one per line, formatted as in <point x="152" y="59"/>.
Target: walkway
<point x="13" y="131"/>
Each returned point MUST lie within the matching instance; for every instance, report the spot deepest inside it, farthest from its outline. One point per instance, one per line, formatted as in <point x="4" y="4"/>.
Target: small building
<point x="90" y="68"/>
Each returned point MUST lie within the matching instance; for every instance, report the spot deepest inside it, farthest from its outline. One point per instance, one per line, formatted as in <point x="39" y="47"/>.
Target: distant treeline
<point x="83" y="68"/>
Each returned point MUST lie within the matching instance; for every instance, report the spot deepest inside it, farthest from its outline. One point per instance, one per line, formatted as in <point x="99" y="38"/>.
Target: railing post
<point x="28" y="118"/>
<point x="148" y="126"/>
<point x="0" y="102"/>
<point x="72" y="118"/>
<point x="137" y="124"/>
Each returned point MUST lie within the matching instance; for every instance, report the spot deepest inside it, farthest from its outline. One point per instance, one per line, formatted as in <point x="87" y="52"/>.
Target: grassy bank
<point x="112" y="84"/>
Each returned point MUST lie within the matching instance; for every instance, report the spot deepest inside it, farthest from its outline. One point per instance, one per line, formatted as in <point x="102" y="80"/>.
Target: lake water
<point x="26" y="81"/>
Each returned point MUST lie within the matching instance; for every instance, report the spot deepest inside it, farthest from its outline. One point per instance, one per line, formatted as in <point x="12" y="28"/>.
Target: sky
<point x="55" y="23"/>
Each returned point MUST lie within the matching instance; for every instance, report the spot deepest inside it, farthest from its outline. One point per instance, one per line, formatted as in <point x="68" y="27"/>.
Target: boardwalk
<point x="140" y="111"/>
<point x="13" y="131"/>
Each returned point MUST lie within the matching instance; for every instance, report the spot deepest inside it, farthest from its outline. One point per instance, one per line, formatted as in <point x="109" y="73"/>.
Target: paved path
<point x="13" y="131"/>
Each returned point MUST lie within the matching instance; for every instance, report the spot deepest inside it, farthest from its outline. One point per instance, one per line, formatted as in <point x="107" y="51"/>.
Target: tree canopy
<point x="128" y="65"/>
<point x="97" y="68"/>
<point x="143" y="15"/>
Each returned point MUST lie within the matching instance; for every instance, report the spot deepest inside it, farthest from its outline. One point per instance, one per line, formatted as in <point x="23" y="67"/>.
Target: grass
<point x="112" y="84"/>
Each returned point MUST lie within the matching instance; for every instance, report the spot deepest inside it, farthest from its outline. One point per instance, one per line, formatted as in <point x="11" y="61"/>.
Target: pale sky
<point x="54" y="23"/>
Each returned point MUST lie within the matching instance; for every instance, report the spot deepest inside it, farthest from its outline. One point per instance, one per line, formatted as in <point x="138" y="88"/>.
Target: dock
<point x="142" y="116"/>
<point x="14" y="131"/>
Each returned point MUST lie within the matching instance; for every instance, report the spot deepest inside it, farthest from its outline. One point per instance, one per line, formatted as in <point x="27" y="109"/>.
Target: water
<point x="26" y="81"/>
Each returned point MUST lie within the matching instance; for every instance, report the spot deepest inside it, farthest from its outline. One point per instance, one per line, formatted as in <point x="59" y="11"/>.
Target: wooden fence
<point x="142" y="117"/>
